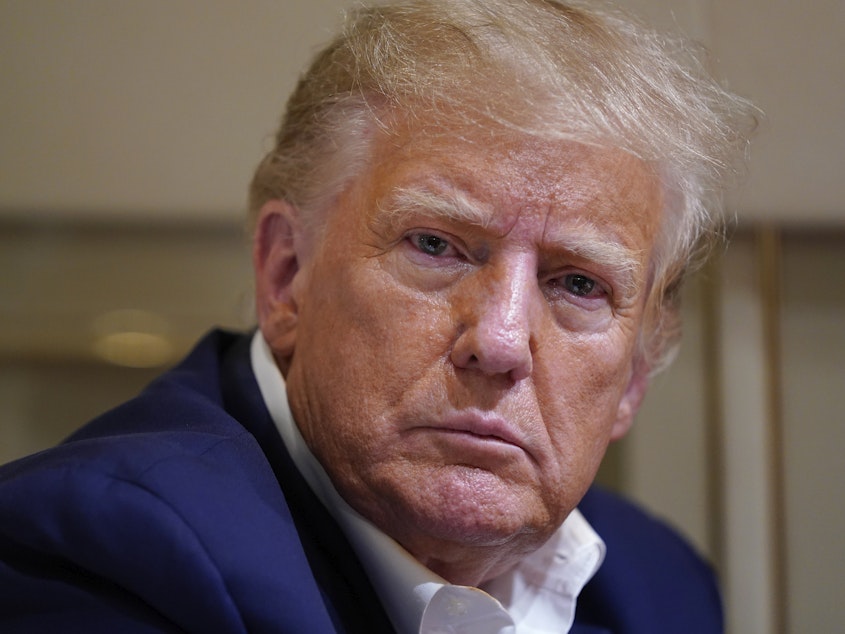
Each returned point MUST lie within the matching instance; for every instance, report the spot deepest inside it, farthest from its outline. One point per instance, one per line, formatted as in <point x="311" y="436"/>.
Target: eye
<point x="430" y="244"/>
<point x="578" y="285"/>
<point x="581" y="285"/>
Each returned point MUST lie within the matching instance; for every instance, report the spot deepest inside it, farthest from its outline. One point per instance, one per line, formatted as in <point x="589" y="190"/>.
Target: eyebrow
<point x="454" y="205"/>
<point x="586" y="241"/>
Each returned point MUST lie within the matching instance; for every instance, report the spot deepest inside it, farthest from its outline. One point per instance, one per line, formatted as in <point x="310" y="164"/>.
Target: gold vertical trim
<point x="769" y="250"/>
<point x="711" y="288"/>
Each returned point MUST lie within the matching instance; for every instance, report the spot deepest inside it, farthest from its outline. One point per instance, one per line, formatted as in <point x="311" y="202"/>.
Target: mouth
<point x="475" y="428"/>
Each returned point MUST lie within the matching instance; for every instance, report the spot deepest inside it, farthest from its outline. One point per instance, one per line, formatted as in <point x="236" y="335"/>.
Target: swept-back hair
<point x="546" y="68"/>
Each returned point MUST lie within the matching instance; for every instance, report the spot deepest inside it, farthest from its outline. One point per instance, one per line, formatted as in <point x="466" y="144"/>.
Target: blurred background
<point x="128" y="134"/>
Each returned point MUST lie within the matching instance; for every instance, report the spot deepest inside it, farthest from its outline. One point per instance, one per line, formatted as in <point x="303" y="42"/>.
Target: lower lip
<point x="468" y="441"/>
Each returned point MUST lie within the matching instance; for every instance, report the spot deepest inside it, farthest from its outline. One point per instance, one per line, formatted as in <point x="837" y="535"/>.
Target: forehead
<point x="497" y="179"/>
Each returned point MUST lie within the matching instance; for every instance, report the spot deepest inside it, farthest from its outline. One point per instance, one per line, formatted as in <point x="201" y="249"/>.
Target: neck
<point x="473" y="566"/>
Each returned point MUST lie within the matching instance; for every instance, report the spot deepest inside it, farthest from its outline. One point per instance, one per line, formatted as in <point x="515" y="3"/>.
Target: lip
<point x="481" y="426"/>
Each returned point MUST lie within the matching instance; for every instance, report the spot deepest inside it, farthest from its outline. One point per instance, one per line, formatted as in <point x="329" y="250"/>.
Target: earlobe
<point x="276" y="262"/>
<point x="631" y="400"/>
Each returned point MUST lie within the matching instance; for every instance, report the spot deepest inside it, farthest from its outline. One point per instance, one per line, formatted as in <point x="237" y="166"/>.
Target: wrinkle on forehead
<point x="601" y="204"/>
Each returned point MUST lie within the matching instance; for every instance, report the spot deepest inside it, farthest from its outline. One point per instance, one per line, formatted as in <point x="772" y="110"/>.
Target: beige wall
<point x="814" y="430"/>
<point x="129" y="131"/>
<point x="162" y="107"/>
<point x="151" y="108"/>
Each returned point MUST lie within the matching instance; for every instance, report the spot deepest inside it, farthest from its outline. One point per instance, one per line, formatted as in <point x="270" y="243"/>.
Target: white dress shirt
<point x="535" y="597"/>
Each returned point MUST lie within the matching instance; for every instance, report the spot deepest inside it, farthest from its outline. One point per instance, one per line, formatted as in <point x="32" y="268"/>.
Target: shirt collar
<point x="541" y="590"/>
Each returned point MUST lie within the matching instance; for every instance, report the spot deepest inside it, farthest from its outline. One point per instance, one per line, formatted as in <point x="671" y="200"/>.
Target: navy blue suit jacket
<point x="181" y="511"/>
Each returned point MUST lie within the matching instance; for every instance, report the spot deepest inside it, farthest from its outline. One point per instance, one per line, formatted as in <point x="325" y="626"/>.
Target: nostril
<point x="522" y="371"/>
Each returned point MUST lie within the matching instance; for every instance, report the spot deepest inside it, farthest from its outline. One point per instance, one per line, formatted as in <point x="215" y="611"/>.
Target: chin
<point x="477" y="508"/>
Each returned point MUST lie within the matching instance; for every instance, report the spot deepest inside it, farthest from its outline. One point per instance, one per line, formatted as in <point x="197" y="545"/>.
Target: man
<point x="469" y="240"/>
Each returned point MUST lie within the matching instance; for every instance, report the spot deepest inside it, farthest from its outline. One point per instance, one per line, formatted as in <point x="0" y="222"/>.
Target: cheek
<point x="402" y="320"/>
<point x="579" y="384"/>
<point x="367" y="338"/>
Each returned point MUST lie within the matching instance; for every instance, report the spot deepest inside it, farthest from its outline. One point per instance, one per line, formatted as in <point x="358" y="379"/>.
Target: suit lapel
<point x="347" y="592"/>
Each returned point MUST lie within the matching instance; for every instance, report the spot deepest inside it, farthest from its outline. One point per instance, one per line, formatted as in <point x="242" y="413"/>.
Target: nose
<point x="496" y="322"/>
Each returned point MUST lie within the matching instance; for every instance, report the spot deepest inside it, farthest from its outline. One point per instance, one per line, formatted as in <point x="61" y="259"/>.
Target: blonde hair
<point x="541" y="67"/>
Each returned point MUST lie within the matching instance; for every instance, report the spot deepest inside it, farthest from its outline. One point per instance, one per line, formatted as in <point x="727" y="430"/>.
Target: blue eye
<point x="579" y="285"/>
<point x="430" y="245"/>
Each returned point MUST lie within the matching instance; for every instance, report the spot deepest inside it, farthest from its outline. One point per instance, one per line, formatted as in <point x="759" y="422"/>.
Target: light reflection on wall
<point x="133" y="338"/>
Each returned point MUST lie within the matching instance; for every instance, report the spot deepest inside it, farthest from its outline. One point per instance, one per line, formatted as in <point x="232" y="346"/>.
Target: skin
<point x="458" y="343"/>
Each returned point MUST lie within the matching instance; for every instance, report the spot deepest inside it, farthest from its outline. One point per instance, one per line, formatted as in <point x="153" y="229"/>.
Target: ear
<point x="631" y="399"/>
<point x="276" y="261"/>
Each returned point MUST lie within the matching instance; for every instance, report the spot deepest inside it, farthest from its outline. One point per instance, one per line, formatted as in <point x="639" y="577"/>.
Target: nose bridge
<point x="505" y="312"/>
<point x="501" y="319"/>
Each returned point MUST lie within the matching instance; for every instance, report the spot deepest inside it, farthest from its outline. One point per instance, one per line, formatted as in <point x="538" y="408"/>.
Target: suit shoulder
<point x="142" y="527"/>
<point x="652" y="579"/>
<point x="621" y="519"/>
<point x="166" y="509"/>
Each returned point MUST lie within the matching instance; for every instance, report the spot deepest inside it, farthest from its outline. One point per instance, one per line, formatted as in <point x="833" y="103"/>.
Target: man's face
<point x="465" y="334"/>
